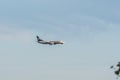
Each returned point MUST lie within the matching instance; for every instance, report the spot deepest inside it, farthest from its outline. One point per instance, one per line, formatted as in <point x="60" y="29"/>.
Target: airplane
<point x="48" y="42"/>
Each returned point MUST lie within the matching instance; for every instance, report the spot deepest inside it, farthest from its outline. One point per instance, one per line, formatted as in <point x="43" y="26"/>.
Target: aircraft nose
<point x="62" y="42"/>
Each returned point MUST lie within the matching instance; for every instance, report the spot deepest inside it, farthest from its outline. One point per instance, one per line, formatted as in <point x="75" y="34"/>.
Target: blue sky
<point x="90" y="29"/>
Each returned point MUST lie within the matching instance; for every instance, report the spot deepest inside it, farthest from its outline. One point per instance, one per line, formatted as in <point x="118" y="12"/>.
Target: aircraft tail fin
<point x="38" y="39"/>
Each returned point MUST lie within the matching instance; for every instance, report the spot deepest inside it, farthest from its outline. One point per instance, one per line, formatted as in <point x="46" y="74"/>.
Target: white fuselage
<point x="51" y="42"/>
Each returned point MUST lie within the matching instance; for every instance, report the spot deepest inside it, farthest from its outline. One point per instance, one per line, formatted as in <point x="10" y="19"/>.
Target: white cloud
<point x="14" y="34"/>
<point x="89" y="28"/>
